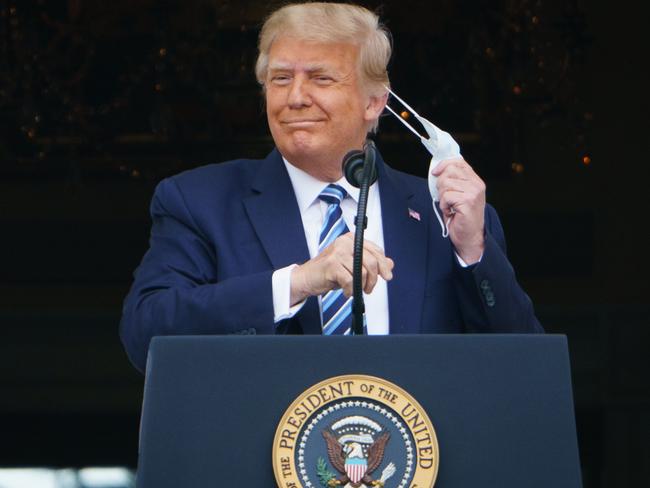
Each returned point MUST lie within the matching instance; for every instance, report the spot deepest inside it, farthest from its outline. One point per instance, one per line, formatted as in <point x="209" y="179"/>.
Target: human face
<point x="316" y="107"/>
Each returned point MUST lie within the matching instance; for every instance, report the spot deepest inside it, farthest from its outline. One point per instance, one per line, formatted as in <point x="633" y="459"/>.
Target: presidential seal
<point x="355" y="431"/>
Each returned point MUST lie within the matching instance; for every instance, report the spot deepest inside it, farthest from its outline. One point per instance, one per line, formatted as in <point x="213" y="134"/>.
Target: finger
<point x="450" y="202"/>
<point x="369" y="271"/>
<point x="470" y="191"/>
<point x="348" y="288"/>
<point x="450" y="195"/>
<point x="444" y="164"/>
<point x="456" y="171"/>
<point x="384" y="264"/>
<point x="445" y="183"/>
<point x="344" y="280"/>
<point x="370" y="276"/>
<point x="370" y="267"/>
<point x="368" y="245"/>
<point x="370" y="264"/>
<point x="347" y="279"/>
<point x="462" y="170"/>
<point x="374" y="262"/>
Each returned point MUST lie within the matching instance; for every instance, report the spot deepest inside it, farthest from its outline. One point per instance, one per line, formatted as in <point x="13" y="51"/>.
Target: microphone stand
<point x="361" y="222"/>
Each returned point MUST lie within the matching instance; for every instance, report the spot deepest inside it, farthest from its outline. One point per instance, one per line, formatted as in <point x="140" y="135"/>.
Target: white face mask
<point x="440" y="145"/>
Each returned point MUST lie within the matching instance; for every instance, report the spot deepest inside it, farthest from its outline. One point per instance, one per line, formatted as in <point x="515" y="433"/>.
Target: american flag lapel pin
<point x="414" y="215"/>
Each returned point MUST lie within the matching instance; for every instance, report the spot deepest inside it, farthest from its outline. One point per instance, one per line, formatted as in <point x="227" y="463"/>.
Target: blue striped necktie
<point x="337" y="309"/>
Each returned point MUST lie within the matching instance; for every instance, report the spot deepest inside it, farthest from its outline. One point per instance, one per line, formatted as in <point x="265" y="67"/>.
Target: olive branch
<point x="323" y="472"/>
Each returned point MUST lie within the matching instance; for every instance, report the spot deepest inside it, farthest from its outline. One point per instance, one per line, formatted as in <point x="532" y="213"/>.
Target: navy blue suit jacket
<point x="220" y="231"/>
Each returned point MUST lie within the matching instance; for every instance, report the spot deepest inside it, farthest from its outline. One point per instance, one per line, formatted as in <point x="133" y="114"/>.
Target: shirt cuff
<point x="281" y="282"/>
<point x="463" y="264"/>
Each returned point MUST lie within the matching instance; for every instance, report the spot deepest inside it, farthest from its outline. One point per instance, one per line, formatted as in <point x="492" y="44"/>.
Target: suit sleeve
<point x="490" y="297"/>
<point x="176" y="291"/>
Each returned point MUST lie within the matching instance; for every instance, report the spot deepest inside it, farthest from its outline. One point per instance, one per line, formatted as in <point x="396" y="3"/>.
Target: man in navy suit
<point x="234" y="247"/>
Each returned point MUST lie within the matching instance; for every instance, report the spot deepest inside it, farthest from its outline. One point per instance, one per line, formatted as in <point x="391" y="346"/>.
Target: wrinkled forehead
<point x="296" y="54"/>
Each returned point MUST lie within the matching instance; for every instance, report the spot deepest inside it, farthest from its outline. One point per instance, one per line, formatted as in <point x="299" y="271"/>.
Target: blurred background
<point x="101" y="100"/>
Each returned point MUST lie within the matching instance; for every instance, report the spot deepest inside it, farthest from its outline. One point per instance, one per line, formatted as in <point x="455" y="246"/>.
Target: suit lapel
<point x="405" y="241"/>
<point x="274" y="214"/>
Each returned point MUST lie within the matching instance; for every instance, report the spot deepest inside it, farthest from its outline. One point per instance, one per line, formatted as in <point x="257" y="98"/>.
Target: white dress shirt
<point x="312" y="211"/>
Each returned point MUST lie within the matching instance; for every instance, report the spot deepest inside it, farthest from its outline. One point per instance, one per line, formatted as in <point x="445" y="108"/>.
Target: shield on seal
<point x="355" y="468"/>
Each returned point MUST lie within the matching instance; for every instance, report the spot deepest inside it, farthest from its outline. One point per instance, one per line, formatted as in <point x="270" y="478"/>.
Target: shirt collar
<point x="307" y="188"/>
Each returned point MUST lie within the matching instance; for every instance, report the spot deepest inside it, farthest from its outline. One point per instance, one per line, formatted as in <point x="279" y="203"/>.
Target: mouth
<point x="301" y="123"/>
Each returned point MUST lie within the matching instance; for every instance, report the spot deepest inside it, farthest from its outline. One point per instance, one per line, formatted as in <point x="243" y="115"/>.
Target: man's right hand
<point x="332" y="269"/>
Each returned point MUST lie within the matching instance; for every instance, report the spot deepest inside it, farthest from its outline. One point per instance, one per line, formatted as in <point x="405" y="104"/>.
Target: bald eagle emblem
<point x="355" y="448"/>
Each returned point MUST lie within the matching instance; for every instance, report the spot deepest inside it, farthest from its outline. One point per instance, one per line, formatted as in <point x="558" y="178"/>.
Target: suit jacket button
<point x="485" y="285"/>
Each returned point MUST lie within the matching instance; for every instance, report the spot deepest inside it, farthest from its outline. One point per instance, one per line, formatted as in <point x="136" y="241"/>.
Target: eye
<point x="323" y="79"/>
<point x="280" y="79"/>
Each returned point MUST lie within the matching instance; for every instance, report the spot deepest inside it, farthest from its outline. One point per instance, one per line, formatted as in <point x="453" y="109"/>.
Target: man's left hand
<point x="462" y="201"/>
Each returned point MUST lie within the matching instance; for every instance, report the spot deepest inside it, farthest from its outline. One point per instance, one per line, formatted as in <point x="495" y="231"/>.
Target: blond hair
<point x="332" y="22"/>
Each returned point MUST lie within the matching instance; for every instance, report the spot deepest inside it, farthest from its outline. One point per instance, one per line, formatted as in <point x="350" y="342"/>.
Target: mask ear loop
<point x="401" y="119"/>
<point x="443" y="225"/>
<point x="406" y="124"/>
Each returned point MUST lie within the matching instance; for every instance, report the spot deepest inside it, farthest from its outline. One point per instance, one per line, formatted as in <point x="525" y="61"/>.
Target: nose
<point x="299" y="93"/>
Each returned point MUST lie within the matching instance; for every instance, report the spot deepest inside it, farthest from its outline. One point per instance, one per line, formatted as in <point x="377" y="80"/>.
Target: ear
<point x="375" y="107"/>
